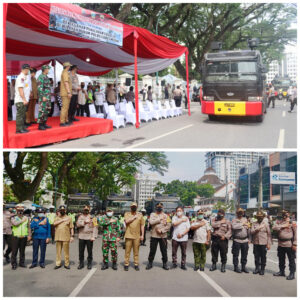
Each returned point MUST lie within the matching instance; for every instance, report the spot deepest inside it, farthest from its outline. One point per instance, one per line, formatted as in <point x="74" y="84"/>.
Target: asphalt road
<point x="278" y="130"/>
<point x="155" y="282"/>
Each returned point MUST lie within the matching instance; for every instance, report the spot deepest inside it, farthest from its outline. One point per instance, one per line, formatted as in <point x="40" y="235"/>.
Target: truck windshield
<point x="231" y="71"/>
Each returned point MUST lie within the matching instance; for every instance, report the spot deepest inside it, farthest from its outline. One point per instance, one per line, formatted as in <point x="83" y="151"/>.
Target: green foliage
<point x="8" y="195"/>
<point x="227" y="207"/>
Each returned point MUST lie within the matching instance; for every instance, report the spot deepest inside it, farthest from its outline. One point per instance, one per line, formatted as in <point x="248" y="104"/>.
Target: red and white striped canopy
<point x="28" y="39"/>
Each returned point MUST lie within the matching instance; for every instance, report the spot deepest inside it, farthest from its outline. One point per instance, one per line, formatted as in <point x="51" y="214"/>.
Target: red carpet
<point x="85" y="127"/>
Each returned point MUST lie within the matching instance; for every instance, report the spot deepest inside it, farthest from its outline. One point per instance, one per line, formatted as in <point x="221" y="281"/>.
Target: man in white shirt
<point x="22" y="94"/>
<point x="181" y="226"/>
<point x="201" y="240"/>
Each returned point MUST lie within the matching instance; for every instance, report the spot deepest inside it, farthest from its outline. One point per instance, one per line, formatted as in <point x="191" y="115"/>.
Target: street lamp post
<point x="156" y="31"/>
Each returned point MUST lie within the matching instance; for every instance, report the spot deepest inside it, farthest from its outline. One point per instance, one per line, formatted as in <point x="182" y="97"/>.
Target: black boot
<point x="41" y="127"/>
<point x="104" y="266"/>
<point x="237" y="269"/>
<point x="196" y="268"/>
<point x="114" y="266"/>
<point x="280" y="273"/>
<point x="165" y="266"/>
<point x="213" y="267"/>
<point x="183" y="267"/>
<point x="291" y="276"/>
<point x="81" y="266"/>
<point x="89" y="265"/>
<point x="262" y="271"/>
<point x="223" y="268"/>
<point x="7" y="259"/>
<point x="257" y="270"/>
<point x="244" y="269"/>
<point x="47" y="126"/>
<point x="149" y="266"/>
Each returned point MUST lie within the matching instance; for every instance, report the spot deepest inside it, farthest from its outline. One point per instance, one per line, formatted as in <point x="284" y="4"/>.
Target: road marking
<point x="160" y="136"/>
<point x="213" y="284"/>
<point x="82" y="283"/>
<point x="281" y="139"/>
<point x="273" y="261"/>
<point x="283" y="114"/>
<point x="284" y="104"/>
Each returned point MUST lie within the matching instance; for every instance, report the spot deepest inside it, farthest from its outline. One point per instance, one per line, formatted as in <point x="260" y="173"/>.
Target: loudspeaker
<point x="128" y="82"/>
<point x="163" y="83"/>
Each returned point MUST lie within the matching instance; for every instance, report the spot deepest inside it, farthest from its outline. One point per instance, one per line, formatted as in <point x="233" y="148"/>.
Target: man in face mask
<point x="181" y="226"/>
<point x="261" y="239"/>
<point x="7" y="232"/>
<point x="41" y="237"/>
<point x="202" y="234"/>
<point x="21" y="233"/>
<point x="134" y="234"/>
<point x="241" y="235"/>
<point x="160" y="225"/>
<point x="287" y="243"/>
<point x="220" y="237"/>
<point x="64" y="234"/>
<point x="87" y="233"/>
<point x="111" y="237"/>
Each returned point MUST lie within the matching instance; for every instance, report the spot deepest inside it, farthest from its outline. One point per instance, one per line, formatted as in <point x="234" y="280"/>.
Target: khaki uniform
<point x="65" y="76"/>
<point x="32" y="101"/>
<point x="132" y="237"/>
<point x="62" y="238"/>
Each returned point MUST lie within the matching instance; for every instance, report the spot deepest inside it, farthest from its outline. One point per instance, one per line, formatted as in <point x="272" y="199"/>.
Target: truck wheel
<point x="211" y="117"/>
<point x="260" y="118"/>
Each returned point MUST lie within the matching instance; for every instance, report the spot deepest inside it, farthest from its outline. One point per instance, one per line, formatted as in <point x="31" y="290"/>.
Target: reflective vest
<point x="51" y="217"/>
<point x="21" y="229"/>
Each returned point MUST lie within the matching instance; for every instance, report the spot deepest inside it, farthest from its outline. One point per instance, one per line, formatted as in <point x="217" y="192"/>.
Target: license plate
<point x="230" y="108"/>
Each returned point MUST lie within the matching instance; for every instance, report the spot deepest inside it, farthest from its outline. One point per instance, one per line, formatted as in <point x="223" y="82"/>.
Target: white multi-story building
<point x="274" y="69"/>
<point x="143" y="188"/>
<point x="290" y="65"/>
<point x="229" y="163"/>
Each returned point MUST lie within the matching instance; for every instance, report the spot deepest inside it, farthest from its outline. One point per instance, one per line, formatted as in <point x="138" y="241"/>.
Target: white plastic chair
<point x="155" y="104"/>
<point x="178" y="109"/>
<point x="56" y="112"/>
<point x="154" y="113"/>
<point x="143" y="114"/>
<point x="118" y="120"/>
<point x="93" y="113"/>
<point x="122" y="110"/>
<point x="130" y="115"/>
<point x="171" y="110"/>
<point x="105" y="109"/>
<point x="163" y="111"/>
<point x="117" y="105"/>
<point x="36" y="110"/>
<point x="131" y="105"/>
<point x="14" y="112"/>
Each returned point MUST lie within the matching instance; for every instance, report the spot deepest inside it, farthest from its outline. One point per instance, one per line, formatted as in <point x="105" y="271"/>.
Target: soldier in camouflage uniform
<point x="111" y="235"/>
<point x="44" y="94"/>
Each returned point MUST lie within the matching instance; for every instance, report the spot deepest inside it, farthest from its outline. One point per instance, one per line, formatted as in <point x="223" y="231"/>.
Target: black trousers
<point x="52" y="232"/>
<point x="260" y="255"/>
<point x="52" y="109"/>
<point x="84" y="109"/>
<point x="216" y="246"/>
<point x="18" y="244"/>
<point x="89" y="245"/>
<point x="271" y="99"/>
<point x="72" y="107"/>
<point x="163" y="245"/>
<point x="281" y="252"/>
<point x="293" y="102"/>
<point x="99" y="109"/>
<point x="236" y="248"/>
<point x="177" y="101"/>
<point x="7" y="241"/>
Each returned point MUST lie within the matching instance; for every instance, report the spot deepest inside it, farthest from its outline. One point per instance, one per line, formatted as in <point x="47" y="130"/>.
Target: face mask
<point x="109" y="214"/>
<point x="179" y="213"/>
<point x="20" y="212"/>
<point x="133" y="208"/>
<point x="220" y="217"/>
<point x="41" y="215"/>
<point x="159" y="209"/>
<point x="259" y="220"/>
<point x="284" y="216"/>
<point x="240" y="214"/>
<point x="200" y="217"/>
<point x="62" y="212"/>
<point x="85" y="212"/>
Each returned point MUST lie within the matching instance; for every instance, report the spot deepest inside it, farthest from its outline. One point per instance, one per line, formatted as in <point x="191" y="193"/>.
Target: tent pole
<point x="187" y="79"/>
<point x="5" y="92"/>
<point x="54" y="80"/>
<point x="116" y="71"/>
<point x="137" y="124"/>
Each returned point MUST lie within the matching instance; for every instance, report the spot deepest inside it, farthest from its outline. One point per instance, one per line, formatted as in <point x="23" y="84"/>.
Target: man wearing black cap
<point x="75" y="89"/>
<point x="22" y="94"/>
<point x="220" y="237"/>
<point x="160" y="225"/>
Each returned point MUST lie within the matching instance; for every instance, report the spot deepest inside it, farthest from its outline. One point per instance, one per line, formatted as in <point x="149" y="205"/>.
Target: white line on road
<point x="273" y="261"/>
<point x="283" y="113"/>
<point x="160" y="136"/>
<point x="281" y="139"/>
<point x="284" y="104"/>
<point x="214" y="284"/>
<point x="82" y="283"/>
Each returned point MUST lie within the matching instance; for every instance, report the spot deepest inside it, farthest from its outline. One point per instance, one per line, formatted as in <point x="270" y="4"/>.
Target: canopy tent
<point x="29" y="39"/>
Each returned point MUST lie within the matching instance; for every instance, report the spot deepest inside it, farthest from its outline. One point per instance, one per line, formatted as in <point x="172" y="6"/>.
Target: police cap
<point x="62" y="207"/>
<point x="25" y="66"/>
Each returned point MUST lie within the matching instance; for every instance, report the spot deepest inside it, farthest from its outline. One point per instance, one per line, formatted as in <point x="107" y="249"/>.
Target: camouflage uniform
<point x="44" y="90"/>
<point x="111" y="231"/>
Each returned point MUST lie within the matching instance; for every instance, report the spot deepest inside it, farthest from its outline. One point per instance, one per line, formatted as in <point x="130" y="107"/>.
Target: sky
<point x="183" y="166"/>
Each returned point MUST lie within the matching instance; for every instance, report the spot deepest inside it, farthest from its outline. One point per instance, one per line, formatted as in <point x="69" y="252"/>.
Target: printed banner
<point x="282" y="177"/>
<point x="88" y="25"/>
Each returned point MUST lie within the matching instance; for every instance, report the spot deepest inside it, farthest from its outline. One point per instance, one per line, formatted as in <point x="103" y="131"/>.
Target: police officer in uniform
<point x="111" y="236"/>
<point x="241" y="234"/>
<point x="261" y="239"/>
<point x="33" y="98"/>
<point x="220" y="236"/>
<point x="22" y="94"/>
<point x="21" y="233"/>
<point x="44" y="93"/>
<point x="287" y="243"/>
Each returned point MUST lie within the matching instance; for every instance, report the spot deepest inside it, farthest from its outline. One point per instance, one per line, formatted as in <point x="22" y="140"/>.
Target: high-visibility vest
<point x="51" y="217"/>
<point x="21" y="229"/>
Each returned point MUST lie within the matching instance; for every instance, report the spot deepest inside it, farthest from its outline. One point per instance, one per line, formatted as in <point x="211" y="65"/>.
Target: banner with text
<point x="88" y="25"/>
<point x="282" y="177"/>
